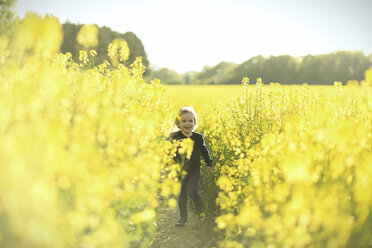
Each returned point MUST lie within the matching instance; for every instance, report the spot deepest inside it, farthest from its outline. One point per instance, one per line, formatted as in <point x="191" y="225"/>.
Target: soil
<point x="195" y="234"/>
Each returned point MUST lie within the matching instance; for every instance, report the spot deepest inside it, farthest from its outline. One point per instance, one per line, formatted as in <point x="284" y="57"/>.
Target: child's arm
<point x="205" y="153"/>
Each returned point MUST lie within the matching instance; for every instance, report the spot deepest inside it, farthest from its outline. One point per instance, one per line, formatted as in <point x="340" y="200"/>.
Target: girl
<point x="185" y="122"/>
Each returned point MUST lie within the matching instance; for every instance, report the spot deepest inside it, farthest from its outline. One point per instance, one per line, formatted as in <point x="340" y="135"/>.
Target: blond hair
<point x="182" y="111"/>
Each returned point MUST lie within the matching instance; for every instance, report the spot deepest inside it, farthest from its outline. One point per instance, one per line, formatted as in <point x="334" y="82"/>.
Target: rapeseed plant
<point x="292" y="154"/>
<point x="292" y="163"/>
<point x="81" y="153"/>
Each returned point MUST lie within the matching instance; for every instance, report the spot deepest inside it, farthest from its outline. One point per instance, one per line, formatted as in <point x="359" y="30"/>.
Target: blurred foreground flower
<point x="87" y="36"/>
<point x="39" y="36"/>
<point x="187" y="145"/>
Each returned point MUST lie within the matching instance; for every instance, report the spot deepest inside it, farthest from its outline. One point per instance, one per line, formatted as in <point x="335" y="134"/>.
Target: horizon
<point x="187" y="36"/>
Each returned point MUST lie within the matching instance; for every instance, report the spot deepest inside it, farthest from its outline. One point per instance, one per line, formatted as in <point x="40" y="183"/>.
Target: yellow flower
<point x="87" y="36"/>
<point x="93" y="53"/>
<point x="41" y="36"/>
<point x="225" y="183"/>
<point x="368" y="75"/>
<point x="83" y="56"/>
<point x="245" y="81"/>
<point x="3" y="43"/>
<point x="250" y="215"/>
<point x="123" y="50"/>
<point x="118" y="50"/>
<point x="224" y="220"/>
<point x="187" y="146"/>
<point x="172" y="203"/>
<point x="259" y="81"/>
<point x="144" y="216"/>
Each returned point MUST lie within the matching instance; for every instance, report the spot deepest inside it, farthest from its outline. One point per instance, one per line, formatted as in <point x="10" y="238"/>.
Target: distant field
<point x="210" y="96"/>
<point x="199" y="95"/>
<point x="292" y="163"/>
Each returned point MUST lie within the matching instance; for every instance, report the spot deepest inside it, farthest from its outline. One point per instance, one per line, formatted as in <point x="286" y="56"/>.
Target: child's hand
<point x="210" y="170"/>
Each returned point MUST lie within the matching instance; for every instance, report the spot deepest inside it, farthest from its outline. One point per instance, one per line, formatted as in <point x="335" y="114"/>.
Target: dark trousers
<point x="189" y="187"/>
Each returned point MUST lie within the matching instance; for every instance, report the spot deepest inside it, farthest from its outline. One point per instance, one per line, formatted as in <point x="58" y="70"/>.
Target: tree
<point x="281" y="69"/>
<point x="7" y="17"/>
<point x="251" y="68"/>
<point x="168" y="76"/>
<point x="213" y="75"/>
<point x="314" y="69"/>
<point x="327" y="68"/>
<point x="105" y="37"/>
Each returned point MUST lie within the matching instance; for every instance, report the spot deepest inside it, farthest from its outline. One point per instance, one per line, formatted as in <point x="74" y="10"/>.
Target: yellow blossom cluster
<point x="84" y="161"/>
<point x="294" y="166"/>
<point x="292" y="163"/>
<point x="38" y="36"/>
<point x="118" y="51"/>
<point x="81" y="151"/>
<point x="87" y="36"/>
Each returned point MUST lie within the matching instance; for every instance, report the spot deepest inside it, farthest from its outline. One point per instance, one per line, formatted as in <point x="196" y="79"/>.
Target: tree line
<point x="285" y="69"/>
<point x="313" y="69"/>
<point x="9" y="21"/>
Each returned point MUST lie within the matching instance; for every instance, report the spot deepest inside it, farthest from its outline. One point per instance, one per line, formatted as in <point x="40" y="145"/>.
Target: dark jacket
<point x="192" y="165"/>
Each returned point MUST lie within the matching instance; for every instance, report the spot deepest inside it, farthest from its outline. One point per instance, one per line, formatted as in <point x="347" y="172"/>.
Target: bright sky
<point x="189" y="34"/>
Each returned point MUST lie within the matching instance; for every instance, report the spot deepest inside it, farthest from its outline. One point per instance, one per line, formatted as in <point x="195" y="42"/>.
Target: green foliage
<point x="252" y="67"/>
<point x="213" y="75"/>
<point x="313" y="69"/>
<point x="168" y="76"/>
<point x="340" y="66"/>
<point x="7" y="17"/>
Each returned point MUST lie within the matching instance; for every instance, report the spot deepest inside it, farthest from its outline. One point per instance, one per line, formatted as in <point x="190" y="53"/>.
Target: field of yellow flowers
<point x="84" y="160"/>
<point x="81" y="149"/>
<point x="293" y="165"/>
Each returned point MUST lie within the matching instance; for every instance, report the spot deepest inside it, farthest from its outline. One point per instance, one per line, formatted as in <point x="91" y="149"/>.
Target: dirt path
<point x="193" y="235"/>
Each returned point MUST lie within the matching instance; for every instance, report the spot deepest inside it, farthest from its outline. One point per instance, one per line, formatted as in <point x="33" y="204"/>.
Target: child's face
<point x="187" y="123"/>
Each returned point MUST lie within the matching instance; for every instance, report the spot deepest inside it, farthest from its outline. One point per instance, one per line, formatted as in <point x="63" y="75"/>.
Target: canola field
<point x="293" y="164"/>
<point x="84" y="160"/>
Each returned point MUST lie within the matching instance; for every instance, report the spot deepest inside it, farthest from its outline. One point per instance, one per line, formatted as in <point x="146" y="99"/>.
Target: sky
<point x="187" y="35"/>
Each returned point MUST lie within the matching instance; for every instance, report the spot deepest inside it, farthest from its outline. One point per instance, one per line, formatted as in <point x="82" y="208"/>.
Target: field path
<point x="193" y="235"/>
